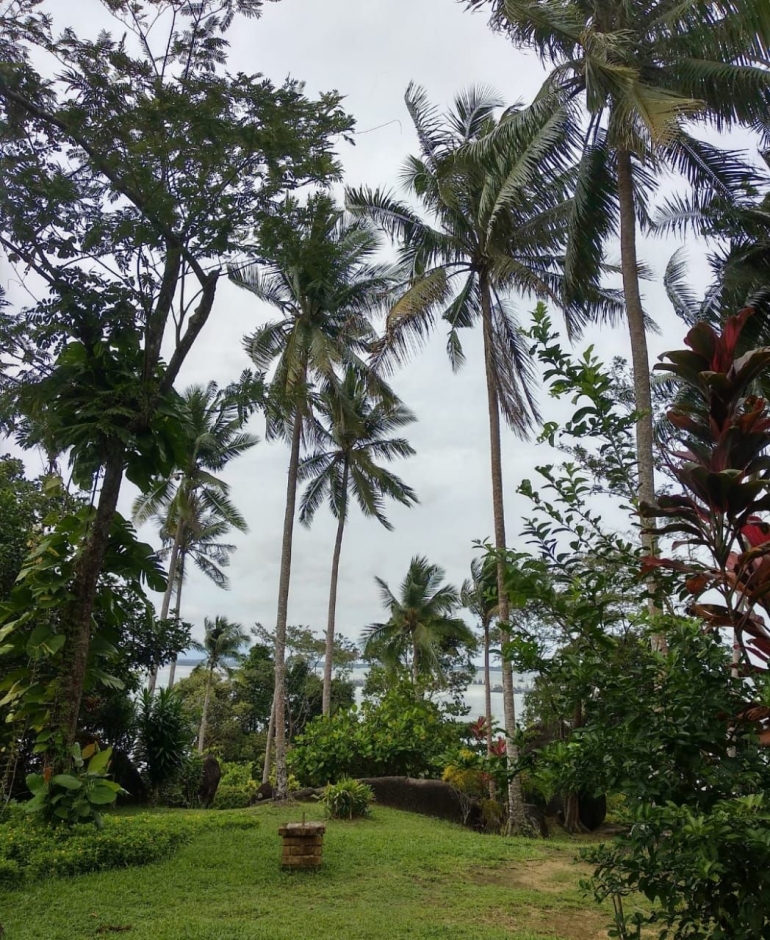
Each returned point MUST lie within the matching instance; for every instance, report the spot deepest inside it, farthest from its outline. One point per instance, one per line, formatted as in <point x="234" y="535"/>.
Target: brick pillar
<point x="303" y="845"/>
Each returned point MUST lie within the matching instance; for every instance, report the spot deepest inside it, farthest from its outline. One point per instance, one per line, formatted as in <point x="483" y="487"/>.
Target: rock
<point x="428" y="797"/>
<point x="306" y="795"/>
<point x="125" y="773"/>
<point x="210" y="777"/>
<point x="264" y="792"/>
<point x="536" y="819"/>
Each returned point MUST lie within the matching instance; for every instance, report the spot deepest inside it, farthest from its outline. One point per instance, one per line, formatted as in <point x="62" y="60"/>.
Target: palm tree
<point x="201" y="542"/>
<point x="193" y="493"/>
<point x="478" y="594"/>
<point x="322" y="280"/>
<point x="642" y="69"/>
<point x="421" y="624"/>
<point x="222" y="641"/>
<point x="494" y="228"/>
<point x="352" y="434"/>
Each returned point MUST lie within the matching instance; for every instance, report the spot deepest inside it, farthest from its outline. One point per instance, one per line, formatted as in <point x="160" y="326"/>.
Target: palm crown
<point x="352" y="434"/>
<point x="421" y="621"/>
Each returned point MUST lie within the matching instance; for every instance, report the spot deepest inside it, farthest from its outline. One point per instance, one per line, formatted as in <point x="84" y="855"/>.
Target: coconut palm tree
<point x="493" y="228"/>
<point x="222" y="641"/>
<point x="641" y="71"/>
<point x="421" y="622"/>
<point x="193" y="492"/>
<point x="322" y="280"/>
<point x="353" y="433"/>
<point x="202" y="543"/>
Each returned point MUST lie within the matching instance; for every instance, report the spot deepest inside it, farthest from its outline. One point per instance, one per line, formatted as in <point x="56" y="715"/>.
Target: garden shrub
<point x="397" y="736"/>
<point x="30" y="851"/>
<point x="348" y="799"/>
<point x="235" y="796"/>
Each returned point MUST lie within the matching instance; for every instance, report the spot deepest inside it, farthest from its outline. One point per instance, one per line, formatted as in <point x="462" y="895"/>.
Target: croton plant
<point x="720" y="455"/>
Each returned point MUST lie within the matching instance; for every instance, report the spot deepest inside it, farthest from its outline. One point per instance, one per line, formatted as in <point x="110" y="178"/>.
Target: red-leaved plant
<point x="721" y="461"/>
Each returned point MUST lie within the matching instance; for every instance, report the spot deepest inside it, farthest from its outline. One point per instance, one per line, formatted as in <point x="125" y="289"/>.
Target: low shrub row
<point x="30" y="851"/>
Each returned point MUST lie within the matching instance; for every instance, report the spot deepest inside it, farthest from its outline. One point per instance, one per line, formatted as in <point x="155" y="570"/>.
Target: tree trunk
<point x="640" y="358"/>
<point x="572" y="800"/>
<point x="205" y="715"/>
<point x="488" y="704"/>
<point x="78" y="616"/>
<point x="415" y="667"/>
<point x="179" y="585"/>
<point x="326" y="701"/>
<point x="516" y="818"/>
<point x="281" y="776"/>
<point x="172" y="576"/>
<point x="269" y="744"/>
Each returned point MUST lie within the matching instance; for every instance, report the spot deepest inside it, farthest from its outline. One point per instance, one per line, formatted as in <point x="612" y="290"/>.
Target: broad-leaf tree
<point x="323" y="281"/>
<point x="132" y="163"/>
<point x="353" y="434"/>
<point x="422" y="622"/>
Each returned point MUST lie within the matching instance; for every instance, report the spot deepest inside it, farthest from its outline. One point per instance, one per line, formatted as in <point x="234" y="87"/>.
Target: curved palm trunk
<point x="326" y="701"/>
<point x="281" y="775"/>
<point x="179" y="584"/>
<point x="269" y="744"/>
<point x="415" y="667"/>
<point x="166" y="604"/>
<point x="78" y="616"/>
<point x="639" y="353"/>
<point x="205" y="715"/>
<point x="516" y="818"/>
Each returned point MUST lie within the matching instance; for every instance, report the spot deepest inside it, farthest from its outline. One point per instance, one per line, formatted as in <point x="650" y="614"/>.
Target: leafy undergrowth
<point x="392" y="876"/>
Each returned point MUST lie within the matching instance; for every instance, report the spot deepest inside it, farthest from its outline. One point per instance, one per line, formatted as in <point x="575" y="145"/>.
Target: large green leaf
<point x="66" y="781"/>
<point x="99" y="762"/>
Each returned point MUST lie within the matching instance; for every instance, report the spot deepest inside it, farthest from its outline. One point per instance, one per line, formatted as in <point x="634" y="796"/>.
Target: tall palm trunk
<point x="326" y="701"/>
<point x="488" y="702"/>
<point x="177" y="612"/>
<point x="516" y="818"/>
<point x="205" y="715"/>
<point x="172" y="576"/>
<point x="640" y="357"/>
<point x="415" y="666"/>
<point x="281" y="775"/>
<point x="78" y="618"/>
<point x="269" y="744"/>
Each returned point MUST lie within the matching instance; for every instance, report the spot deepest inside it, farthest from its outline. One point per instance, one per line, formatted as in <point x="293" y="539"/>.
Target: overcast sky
<point x="369" y="50"/>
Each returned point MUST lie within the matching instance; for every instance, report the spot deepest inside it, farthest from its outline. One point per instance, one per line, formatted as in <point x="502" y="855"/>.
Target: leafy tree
<point x="478" y="595"/>
<point x="131" y="168"/>
<point x="641" y="71"/>
<point x="494" y="228"/>
<point x="164" y="738"/>
<point x="222" y="641"/>
<point x="420" y="623"/>
<point x="321" y="278"/>
<point x="193" y="503"/>
<point x="352" y="433"/>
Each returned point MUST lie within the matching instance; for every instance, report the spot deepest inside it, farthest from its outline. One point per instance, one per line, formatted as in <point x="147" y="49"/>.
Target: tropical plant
<point x="351" y="435"/>
<point x="725" y="482"/>
<point x="495" y="226"/>
<point x="642" y="71"/>
<point x="421" y="622"/>
<point x="78" y="796"/>
<point x="222" y="641"/>
<point x="135" y="226"/>
<point x="192" y="504"/>
<point x="322" y="279"/>
<point x="164" y="738"/>
<point x="347" y="799"/>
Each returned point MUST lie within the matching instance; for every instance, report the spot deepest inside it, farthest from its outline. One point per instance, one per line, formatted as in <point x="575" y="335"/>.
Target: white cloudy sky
<point x="369" y="50"/>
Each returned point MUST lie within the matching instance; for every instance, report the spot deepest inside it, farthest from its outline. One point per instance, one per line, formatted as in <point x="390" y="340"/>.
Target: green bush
<point x="348" y="799"/>
<point x="398" y="736"/>
<point x="235" y="796"/>
<point x="29" y="851"/>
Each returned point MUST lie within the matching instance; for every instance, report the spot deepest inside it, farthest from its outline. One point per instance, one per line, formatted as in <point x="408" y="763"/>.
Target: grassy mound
<point x="392" y="876"/>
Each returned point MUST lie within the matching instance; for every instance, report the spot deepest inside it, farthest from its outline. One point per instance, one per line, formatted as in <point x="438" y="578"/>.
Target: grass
<point x="395" y="875"/>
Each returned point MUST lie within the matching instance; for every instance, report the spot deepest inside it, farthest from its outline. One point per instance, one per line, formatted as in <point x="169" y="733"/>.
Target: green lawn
<point x="395" y="875"/>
